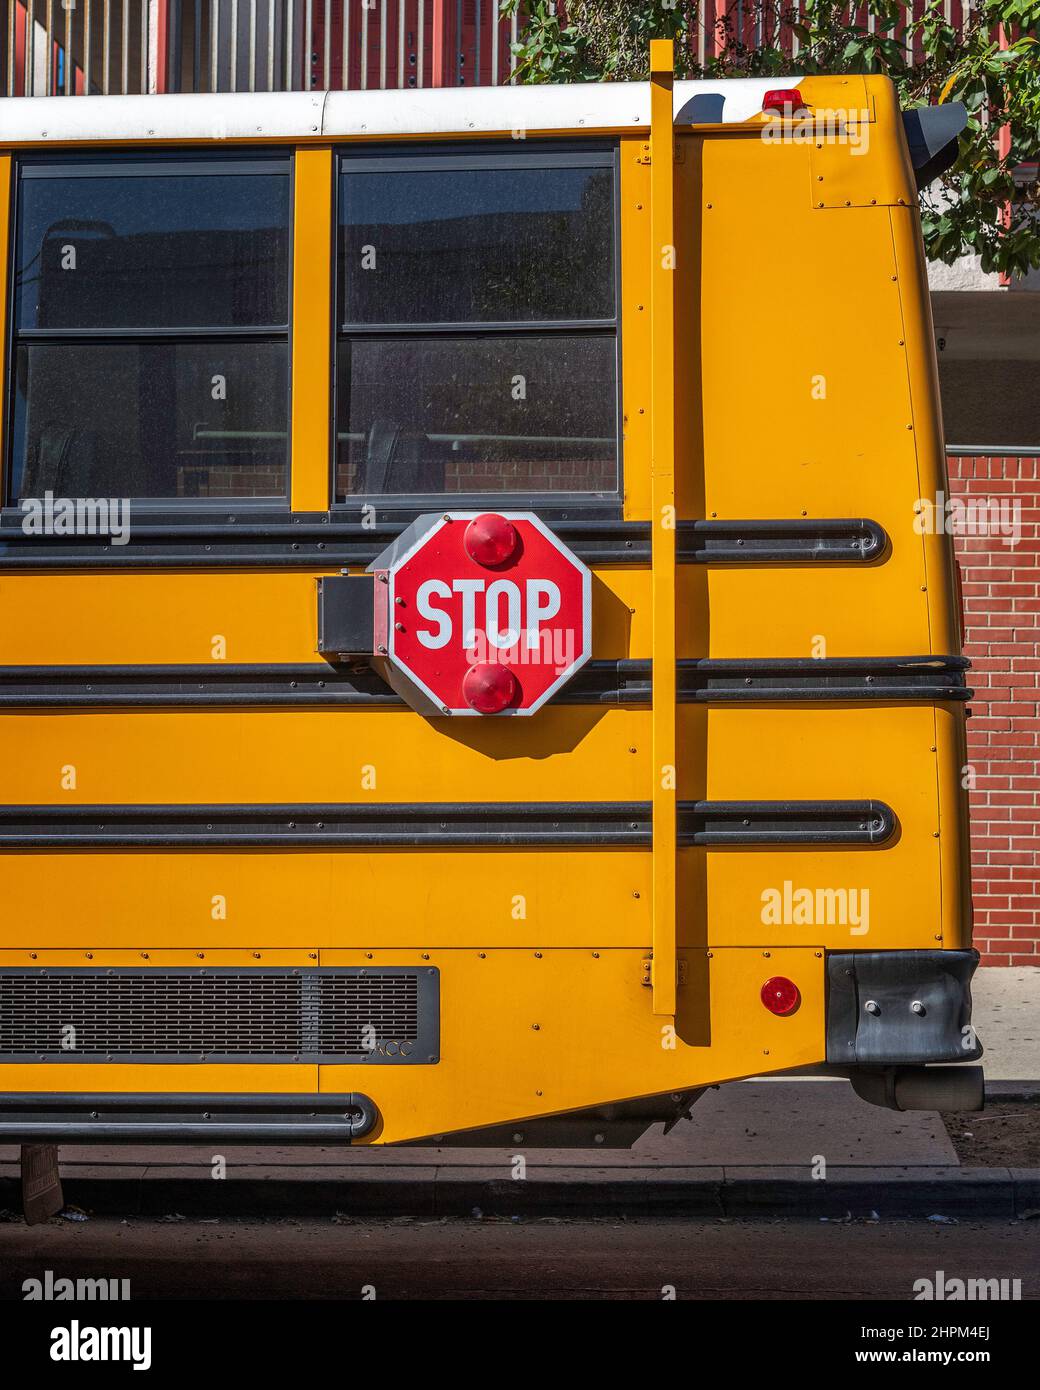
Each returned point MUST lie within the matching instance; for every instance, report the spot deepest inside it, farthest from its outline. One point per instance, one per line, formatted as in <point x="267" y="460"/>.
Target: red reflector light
<point x="783" y="100"/>
<point x="780" y="995"/>
<point x="490" y="539"/>
<point x="490" y="689"/>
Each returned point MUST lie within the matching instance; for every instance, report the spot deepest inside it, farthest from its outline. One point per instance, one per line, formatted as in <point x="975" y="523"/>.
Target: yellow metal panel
<point x="953" y="928"/>
<point x="806" y="753"/>
<point x="663" y="518"/>
<point x="635" y="307"/>
<point x="120" y="957"/>
<point x="567" y="753"/>
<point x="312" y="330"/>
<point x="201" y="1078"/>
<point x="286" y="903"/>
<point x="923" y="380"/>
<point x="856" y="168"/>
<point x="597" y="1036"/>
<point x="596" y="1039"/>
<point x="149" y="618"/>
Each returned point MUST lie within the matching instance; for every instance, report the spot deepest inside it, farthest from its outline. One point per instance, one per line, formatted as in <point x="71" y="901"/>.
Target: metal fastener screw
<point x="917" y="1007"/>
<point x="872" y="1006"/>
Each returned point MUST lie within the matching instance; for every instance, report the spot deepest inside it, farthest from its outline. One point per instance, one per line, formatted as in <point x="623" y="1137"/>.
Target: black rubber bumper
<point x="890" y="1008"/>
<point x="43" y="1117"/>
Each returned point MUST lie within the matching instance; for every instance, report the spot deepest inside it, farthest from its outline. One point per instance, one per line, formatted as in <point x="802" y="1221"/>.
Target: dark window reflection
<point x="153" y="251"/>
<point x="476" y="245"/>
<point x="177" y="420"/>
<point x="489" y="414"/>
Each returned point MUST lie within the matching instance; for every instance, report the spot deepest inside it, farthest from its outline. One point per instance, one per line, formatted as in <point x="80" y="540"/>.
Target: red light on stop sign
<point x="490" y="689"/>
<point x="490" y="539"/>
<point x="781" y="995"/>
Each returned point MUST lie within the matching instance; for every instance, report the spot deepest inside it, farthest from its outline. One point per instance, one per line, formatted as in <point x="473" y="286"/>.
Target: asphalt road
<point x="538" y="1259"/>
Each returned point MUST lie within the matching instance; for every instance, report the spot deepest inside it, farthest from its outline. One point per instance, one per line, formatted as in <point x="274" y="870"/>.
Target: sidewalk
<point x="749" y="1148"/>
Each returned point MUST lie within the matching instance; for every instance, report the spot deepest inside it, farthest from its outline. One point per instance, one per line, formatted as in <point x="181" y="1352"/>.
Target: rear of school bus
<point x="261" y="356"/>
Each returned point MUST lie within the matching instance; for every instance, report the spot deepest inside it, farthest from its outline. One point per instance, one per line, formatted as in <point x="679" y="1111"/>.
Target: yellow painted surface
<point x="312" y="326"/>
<point x="175" y="617"/>
<point x="664" y="782"/>
<point x="797" y="379"/>
<point x="596" y="1039"/>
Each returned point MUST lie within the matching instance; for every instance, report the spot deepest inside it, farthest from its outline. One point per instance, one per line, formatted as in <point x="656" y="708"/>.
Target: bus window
<point x="477" y="319"/>
<point x="151" y="329"/>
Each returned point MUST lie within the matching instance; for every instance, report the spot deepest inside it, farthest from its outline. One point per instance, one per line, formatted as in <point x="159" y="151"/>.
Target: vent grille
<point x="388" y="1015"/>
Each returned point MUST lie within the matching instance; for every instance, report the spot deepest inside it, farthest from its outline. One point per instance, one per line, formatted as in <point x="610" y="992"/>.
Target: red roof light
<point x="783" y="100"/>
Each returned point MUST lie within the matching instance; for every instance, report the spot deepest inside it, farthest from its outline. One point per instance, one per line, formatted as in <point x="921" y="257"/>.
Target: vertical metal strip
<point x="496" y="24"/>
<point x="478" y="10"/>
<point x="382" y="45"/>
<point x="344" y="80"/>
<point x="10" y="50"/>
<point x="326" y="65"/>
<point x="402" y="21"/>
<point x="144" y="49"/>
<point x="27" y="51"/>
<point x="48" y="38"/>
<point x="290" y="24"/>
<point x="233" y="86"/>
<point x="420" y="43"/>
<point x="214" y="44"/>
<point x="438" y="45"/>
<point x="363" y="84"/>
<point x="307" y="45"/>
<point x="662" y="516"/>
<point x="106" y="45"/>
<point x="309" y="459"/>
<point x="270" y="45"/>
<point x="252" y="45"/>
<point x="87" y="36"/>
<point x="124" y="75"/>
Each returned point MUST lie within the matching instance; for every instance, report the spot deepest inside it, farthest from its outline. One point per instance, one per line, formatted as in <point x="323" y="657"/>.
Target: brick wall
<point x="1002" y="638"/>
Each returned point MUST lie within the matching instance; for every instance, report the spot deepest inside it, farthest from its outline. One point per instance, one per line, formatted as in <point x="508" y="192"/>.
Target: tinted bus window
<point x="478" y="325"/>
<point x="151" y="329"/>
<point x="477" y="246"/>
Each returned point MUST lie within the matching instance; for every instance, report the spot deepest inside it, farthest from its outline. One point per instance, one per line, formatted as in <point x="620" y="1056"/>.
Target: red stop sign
<point x="481" y="613"/>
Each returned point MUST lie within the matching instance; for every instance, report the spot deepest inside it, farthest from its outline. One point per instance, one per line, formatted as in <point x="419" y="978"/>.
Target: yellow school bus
<point x="320" y="411"/>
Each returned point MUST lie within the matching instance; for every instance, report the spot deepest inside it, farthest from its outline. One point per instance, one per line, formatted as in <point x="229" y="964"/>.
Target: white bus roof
<point x="395" y="112"/>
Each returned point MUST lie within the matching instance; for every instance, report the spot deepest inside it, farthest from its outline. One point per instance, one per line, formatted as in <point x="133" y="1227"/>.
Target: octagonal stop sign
<point x="480" y="613"/>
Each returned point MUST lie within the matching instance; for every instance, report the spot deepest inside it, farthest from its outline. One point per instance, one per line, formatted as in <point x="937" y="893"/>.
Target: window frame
<point x="483" y="154"/>
<point x="131" y="163"/>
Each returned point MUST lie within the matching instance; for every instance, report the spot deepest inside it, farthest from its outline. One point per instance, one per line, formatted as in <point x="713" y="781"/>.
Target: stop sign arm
<point x="662" y="500"/>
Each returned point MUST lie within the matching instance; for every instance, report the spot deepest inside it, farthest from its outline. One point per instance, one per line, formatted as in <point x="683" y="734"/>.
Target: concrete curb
<point x="962" y="1194"/>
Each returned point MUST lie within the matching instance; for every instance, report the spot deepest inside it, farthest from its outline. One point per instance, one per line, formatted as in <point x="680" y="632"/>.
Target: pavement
<point x="764" y="1147"/>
